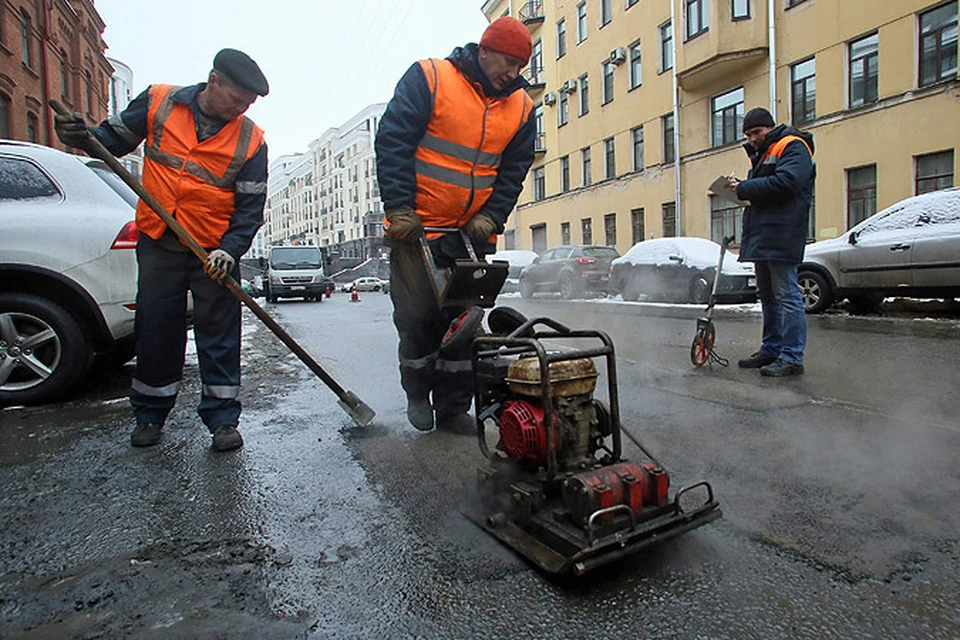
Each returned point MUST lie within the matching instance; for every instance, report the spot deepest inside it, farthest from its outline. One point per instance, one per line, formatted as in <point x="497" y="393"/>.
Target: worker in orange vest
<point x="207" y="165"/>
<point x="453" y="148"/>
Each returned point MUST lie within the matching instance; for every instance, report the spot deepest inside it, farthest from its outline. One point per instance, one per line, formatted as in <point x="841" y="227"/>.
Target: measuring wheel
<point x="703" y="340"/>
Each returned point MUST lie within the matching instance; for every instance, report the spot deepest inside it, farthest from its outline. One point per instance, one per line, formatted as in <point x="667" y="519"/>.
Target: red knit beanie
<point x="510" y="36"/>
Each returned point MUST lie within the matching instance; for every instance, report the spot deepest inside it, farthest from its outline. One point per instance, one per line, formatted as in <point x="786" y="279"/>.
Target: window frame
<point x="539" y="183"/>
<point x="586" y="167"/>
<point x="635" y="65"/>
<point x="565" y="175"/>
<point x="581" y="22"/>
<point x="805" y="83"/>
<point x="607" y="73"/>
<point x="865" y="58"/>
<point x="746" y="15"/>
<point x="637" y="143"/>
<point x="565" y="232"/>
<point x="586" y="231"/>
<point x="727" y="218"/>
<point x="737" y="124"/>
<point x="609" y="158"/>
<point x="666" y="47"/>
<point x="563" y="108"/>
<point x="583" y="95"/>
<point x="917" y="179"/>
<point x="668" y="152"/>
<point x="703" y="15"/>
<point x="26" y="48"/>
<point x="638" y="229"/>
<point x="860" y="194"/>
<point x="610" y="230"/>
<point x="941" y="77"/>
<point x="672" y="208"/>
<point x="561" y="38"/>
<point x="5" y="116"/>
<point x="606" y="12"/>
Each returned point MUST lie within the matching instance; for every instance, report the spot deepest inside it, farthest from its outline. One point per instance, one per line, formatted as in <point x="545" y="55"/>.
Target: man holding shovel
<point x="207" y="165"/>
<point x="453" y="148"/>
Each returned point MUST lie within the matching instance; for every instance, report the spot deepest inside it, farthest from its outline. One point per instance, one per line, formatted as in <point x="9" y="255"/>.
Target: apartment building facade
<point x="50" y="49"/>
<point x="639" y="107"/>
<point x="329" y="196"/>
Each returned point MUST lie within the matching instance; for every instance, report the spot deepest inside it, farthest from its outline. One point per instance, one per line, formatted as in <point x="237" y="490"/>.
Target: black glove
<point x="219" y="264"/>
<point x="479" y="228"/>
<point x="72" y="130"/>
<point x="405" y="224"/>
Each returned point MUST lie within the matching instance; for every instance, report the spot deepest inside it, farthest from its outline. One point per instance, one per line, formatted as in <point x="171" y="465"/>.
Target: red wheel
<point x="702" y="346"/>
<point x="461" y="331"/>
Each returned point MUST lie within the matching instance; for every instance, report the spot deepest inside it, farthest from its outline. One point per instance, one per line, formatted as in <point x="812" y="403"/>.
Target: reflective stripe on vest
<point x="195" y="181"/>
<point x="776" y="149"/>
<point x="459" y="156"/>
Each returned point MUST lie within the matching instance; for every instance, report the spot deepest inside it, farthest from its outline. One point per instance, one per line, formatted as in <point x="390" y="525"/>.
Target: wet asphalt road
<point x="838" y="489"/>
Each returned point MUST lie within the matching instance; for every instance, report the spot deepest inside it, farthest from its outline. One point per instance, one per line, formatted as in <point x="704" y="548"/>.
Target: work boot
<point x="420" y="413"/>
<point x="146" y="434"/>
<point x="226" y="438"/>
<point x="756" y="361"/>
<point x="462" y="424"/>
<point x="782" y="368"/>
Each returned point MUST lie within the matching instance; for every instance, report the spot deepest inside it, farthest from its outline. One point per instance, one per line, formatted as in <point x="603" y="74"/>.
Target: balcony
<point x="727" y="50"/>
<point x="535" y="75"/>
<point x="531" y="13"/>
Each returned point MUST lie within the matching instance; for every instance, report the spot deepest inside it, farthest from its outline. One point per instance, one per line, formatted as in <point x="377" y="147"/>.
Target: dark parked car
<point x="570" y="269"/>
<point x="909" y="250"/>
<point x="517" y="259"/>
<point x="682" y="270"/>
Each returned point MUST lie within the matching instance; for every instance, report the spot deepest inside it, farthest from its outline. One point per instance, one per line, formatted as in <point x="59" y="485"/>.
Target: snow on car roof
<point x="696" y="252"/>
<point x="941" y="207"/>
<point x="516" y="257"/>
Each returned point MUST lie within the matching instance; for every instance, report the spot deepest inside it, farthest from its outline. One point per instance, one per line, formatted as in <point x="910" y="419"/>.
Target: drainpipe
<point x="48" y="112"/>
<point x="772" y="49"/>
<point x="676" y="123"/>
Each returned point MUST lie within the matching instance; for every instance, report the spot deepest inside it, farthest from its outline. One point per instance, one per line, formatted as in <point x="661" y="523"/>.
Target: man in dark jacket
<point x="779" y="189"/>
<point x="453" y="148"/>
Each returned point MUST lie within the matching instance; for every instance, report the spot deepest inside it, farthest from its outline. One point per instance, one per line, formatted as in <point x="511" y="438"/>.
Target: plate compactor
<point x="555" y="487"/>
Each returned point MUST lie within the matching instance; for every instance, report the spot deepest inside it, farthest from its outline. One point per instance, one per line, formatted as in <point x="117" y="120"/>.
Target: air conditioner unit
<point x="618" y="55"/>
<point x="550" y="98"/>
<point x="570" y="86"/>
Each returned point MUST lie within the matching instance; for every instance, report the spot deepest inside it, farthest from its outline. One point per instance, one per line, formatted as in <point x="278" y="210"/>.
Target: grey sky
<point x="324" y="60"/>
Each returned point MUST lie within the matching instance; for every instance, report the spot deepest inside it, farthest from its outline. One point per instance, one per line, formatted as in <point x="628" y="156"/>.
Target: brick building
<point x="50" y="49"/>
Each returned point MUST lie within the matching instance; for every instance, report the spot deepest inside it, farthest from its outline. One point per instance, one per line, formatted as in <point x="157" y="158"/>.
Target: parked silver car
<point x="911" y="249"/>
<point x="67" y="270"/>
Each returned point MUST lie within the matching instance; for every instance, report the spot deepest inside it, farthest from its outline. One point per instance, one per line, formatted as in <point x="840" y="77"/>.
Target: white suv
<point x="68" y="271"/>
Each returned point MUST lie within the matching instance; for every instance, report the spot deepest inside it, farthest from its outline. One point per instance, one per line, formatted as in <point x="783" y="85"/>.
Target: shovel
<point x="471" y="282"/>
<point x="354" y="406"/>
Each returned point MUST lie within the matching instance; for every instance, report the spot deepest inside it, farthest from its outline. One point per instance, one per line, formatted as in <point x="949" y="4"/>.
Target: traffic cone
<point x="327" y="290"/>
<point x="354" y="296"/>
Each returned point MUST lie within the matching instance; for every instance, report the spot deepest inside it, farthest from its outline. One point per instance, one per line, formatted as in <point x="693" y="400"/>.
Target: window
<point x="22" y="180"/>
<point x="581" y="22"/>
<point x="539" y="184"/>
<point x="864" y="70"/>
<point x="697" y="21"/>
<point x="4" y="116"/>
<point x="727" y="120"/>
<point x="88" y="89"/>
<point x="64" y="83"/>
<point x="793" y="3"/>
<point x="33" y="128"/>
<point x="586" y="231"/>
<point x="610" y="230"/>
<point x="563" y="108"/>
<point x="609" y="159"/>
<point x="561" y="38"/>
<point x="540" y="144"/>
<point x="938" y="44"/>
<point x="538" y="239"/>
<point x="934" y="171"/>
<point x="666" y="46"/>
<point x="861" y="194"/>
<point x="25" y="49"/>
<point x="669" y="210"/>
<point x="535" y="65"/>
<point x="636" y="70"/>
<point x="803" y="84"/>
<point x="740" y="9"/>
<point x="586" y="170"/>
<point x="584" y="104"/>
<point x="607" y="89"/>
<point x="564" y="233"/>
<point x="637" y="230"/>
<point x="606" y="12"/>
<point x="565" y="174"/>
<point x="636" y="138"/>
<point x="812" y="222"/>
<point x="630" y="3"/>
<point x="725" y="220"/>
<point x="669" y="151"/>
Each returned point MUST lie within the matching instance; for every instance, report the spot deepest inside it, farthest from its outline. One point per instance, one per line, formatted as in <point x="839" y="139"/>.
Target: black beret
<point x="241" y="68"/>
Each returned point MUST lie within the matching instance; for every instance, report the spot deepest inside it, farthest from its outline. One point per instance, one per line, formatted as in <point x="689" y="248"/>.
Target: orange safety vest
<point x="773" y="151"/>
<point x="458" y="157"/>
<point x="193" y="180"/>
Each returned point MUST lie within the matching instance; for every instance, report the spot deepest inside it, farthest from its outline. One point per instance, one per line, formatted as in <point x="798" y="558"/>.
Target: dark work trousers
<point x="161" y="332"/>
<point x="421" y="325"/>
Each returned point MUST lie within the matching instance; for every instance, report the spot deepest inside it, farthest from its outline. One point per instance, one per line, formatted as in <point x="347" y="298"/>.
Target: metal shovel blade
<point x="474" y="283"/>
<point x="361" y="413"/>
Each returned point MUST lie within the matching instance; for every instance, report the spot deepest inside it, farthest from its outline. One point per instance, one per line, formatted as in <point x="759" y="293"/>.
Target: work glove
<point x="219" y="264"/>
<point x="72" y="130"/>
<point x="479" y="228"/>
<point x="405" y="224"/>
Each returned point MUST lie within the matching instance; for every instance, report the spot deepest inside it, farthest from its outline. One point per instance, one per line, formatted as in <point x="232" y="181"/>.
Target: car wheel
<point x="815" y="291"/>
<point x="700" y="290"/>
<point x="43" y="351"/>
<point x="568" y="288"/>
<point x="376" y="287"/>
<point x="526" y="289"/>
<point x="631" y="288"/>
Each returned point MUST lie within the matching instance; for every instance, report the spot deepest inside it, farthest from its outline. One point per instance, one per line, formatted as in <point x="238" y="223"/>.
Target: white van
<point x="294" y="272"/>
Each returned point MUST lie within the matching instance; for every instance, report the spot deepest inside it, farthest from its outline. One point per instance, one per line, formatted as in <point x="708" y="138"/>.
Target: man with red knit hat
<point x="453" y="148"/>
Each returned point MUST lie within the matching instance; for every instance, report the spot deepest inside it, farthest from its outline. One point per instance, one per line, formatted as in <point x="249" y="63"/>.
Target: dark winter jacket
<point x="405" y="122"/>
<point x="779" y="188"/>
